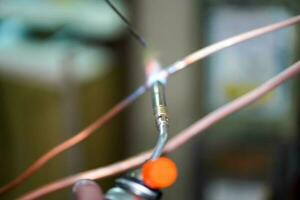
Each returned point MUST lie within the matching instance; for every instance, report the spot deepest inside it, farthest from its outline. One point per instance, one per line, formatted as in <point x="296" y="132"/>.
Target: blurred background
<point x="63" y="63"/>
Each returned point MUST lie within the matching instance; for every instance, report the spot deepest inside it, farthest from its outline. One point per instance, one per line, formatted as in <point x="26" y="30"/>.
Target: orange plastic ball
<point x="160" y="173"/>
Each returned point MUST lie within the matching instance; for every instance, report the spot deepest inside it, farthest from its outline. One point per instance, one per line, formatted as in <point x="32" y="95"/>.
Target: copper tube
<point x="85" y="133"/>
<point x="177" y="141"/>
<point x="204" y="52"/>
<point x="178" y="66"/>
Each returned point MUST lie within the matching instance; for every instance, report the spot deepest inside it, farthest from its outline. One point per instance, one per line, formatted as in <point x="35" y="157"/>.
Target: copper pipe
<point x="177" y="141"/>
<point x="211" y="49"/>
<point x="85" y="133"/>
<point x="200" y="54"/>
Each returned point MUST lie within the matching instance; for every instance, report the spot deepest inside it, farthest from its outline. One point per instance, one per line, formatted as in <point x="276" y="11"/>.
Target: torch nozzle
<point x="161" y="117"/>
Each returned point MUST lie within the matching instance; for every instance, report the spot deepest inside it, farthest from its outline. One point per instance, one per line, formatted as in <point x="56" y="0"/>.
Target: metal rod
<point x="161" y="117"/>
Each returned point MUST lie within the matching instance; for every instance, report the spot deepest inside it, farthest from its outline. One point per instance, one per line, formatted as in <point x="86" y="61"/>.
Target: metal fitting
<point x="159" y="102"/>
<point x="132" y="188"/>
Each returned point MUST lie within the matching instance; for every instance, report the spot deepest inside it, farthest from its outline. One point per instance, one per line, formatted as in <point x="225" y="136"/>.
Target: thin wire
<point x="179" y="140"/>
<point x="130" y="28"/>
<point x="198" y="55"/>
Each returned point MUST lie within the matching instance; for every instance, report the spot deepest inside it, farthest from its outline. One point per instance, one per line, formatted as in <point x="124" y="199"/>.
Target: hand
<point x="87" y="190"/>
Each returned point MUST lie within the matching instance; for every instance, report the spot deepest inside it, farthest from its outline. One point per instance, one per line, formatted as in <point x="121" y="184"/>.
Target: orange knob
<point x="160" y="173"/>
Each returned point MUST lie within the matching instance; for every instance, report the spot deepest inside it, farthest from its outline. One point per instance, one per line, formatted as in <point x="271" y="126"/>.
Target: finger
<point x="87" y="190"/>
